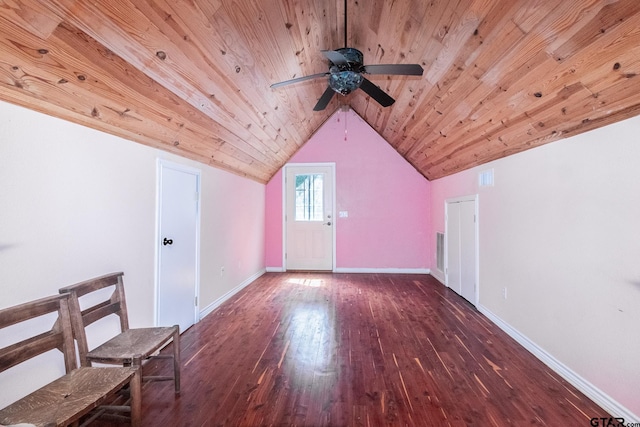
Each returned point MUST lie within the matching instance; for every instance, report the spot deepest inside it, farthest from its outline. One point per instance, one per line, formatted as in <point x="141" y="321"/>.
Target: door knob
<point x="327" y="223"/>
<point x="166" y="242"/>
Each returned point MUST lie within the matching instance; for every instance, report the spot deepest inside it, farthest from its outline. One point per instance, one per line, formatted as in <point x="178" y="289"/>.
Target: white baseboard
<point x="383" y="270"/>
<point x="364" y="270"/>
<point x="215" y="304"/>
<point x="591" y="391"/>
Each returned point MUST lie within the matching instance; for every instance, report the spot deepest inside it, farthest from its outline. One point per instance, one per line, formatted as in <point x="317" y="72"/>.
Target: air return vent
<point x="440" y="251"/>
<point x="485" y="178"/>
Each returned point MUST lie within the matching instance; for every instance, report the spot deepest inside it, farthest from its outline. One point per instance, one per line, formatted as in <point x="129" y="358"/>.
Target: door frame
<point x="160" y="164"/>
<point x="475" y="198"/>
<point x="331" y="165"/>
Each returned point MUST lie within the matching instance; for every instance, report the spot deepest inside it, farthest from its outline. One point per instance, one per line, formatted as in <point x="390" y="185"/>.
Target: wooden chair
<point x="119" y="349"/>
<point x="69" y="398"/>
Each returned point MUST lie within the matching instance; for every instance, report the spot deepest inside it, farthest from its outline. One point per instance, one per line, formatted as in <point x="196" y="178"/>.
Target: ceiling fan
<point x="346" y="71"/>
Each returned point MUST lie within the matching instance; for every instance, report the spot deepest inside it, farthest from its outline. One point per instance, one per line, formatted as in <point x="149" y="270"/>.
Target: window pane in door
<point x="309" y="197"/>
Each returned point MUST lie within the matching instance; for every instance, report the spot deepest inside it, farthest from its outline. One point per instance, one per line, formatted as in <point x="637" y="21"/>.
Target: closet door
<point x="453" y="247"/>
<point x="468" y="251"/>
<point x="461" y="248"/>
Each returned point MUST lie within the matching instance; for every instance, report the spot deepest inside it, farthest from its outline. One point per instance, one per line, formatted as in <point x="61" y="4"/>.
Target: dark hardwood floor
<point x="311" y="349"/>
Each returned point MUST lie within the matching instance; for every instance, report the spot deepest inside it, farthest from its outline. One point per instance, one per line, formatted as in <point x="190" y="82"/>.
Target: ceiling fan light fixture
<point x="345" y="82"/>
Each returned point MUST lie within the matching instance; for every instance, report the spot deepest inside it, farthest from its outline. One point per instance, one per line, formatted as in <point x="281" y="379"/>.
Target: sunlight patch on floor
<point x="312" y="283"/>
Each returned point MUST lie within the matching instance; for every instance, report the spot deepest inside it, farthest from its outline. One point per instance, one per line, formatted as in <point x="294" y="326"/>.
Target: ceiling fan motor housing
<point x="353" y="56"/>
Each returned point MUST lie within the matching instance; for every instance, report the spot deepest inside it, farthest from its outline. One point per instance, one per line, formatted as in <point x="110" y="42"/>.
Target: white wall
<point x="561" y="231"/>
<point x="77" y="203"/>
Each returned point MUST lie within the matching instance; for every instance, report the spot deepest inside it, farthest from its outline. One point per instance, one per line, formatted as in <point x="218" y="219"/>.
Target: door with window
<point x="309" y="219"/>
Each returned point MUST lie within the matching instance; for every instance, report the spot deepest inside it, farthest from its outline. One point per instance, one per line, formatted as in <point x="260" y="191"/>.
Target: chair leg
<point x="135" y="388"/>
<point x="176" y="359"/>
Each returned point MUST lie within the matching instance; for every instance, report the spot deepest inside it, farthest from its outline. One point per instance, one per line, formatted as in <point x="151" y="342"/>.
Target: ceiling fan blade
<point x="335" y="57"/>
<point x="324" y="99"/>
<point x="376" y="93"/>
<point x="398" y="69"/>
<point x="299" y="79"/>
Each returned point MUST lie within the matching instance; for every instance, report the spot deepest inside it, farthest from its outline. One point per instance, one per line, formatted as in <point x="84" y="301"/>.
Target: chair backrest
<point x="59" y="337"/>
<point x="116" y="304"/>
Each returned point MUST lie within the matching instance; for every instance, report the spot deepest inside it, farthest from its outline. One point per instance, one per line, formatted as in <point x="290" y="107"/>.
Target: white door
<point x="468" y="251"/>
<point x="309" y="217"/>
<point x="461" y="248"/>
<point x="178" y="241"/>
<point x="453" y="247"/>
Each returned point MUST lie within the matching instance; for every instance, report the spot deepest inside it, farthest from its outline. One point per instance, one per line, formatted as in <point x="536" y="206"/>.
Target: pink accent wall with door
<point x="386" y="199"/>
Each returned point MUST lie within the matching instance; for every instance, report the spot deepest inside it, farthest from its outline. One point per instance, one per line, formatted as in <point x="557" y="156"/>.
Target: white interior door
<point x="309" y="217"/>
<point x="461" y="248"/>
<point x="178" y="245"/>
<point x="453" y="247"/>
<point x="468" y="251"/>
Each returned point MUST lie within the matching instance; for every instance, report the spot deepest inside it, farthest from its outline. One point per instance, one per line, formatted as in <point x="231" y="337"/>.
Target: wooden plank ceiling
<point x="192" y="76"/>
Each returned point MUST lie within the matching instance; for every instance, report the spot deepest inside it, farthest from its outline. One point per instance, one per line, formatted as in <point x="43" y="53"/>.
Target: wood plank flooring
<point x="311" y="349"/>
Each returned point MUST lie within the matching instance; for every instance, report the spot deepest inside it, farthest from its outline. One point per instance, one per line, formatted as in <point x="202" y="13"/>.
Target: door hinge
<point x="196" y="301"/>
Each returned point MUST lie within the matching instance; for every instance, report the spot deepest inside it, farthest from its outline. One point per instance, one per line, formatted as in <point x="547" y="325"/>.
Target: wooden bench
<point x="121" y="348"/>
<point x="71" y="397"/>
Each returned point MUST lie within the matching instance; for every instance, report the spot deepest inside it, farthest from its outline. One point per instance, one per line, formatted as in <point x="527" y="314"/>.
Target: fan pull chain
<point x="345" y="124"/>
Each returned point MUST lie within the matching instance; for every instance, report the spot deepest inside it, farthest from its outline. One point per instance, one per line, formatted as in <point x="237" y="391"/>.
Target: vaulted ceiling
<point x="193" y="76"/>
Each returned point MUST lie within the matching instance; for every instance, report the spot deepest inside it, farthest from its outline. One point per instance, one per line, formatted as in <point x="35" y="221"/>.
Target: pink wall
<point x="386" y="198"/>
<point x="273" y="222"/>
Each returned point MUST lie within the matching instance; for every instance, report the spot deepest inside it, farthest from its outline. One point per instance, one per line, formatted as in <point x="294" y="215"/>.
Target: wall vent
<point x="485" y="178"/>
<point x="440" y="251"/>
